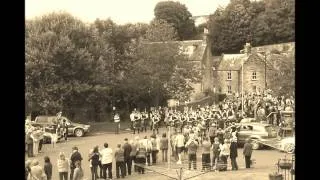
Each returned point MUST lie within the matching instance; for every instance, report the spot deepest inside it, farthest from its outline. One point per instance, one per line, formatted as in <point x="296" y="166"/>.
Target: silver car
<point x="257" y="132"/>
<point x="49" y="122"/>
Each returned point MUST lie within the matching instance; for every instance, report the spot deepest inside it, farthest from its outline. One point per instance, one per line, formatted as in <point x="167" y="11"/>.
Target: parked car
<point x="50" y="123"/>
<point x="288" y="144"/>
<point x="257" y="132"/>
<point x="248" y="120"/>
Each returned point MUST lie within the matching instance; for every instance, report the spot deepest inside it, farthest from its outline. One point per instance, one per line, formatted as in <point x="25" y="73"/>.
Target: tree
<point x="178" y="15"/>
<point x="230" y="27"/>
<point x="66" y="63"/>
<point x="276" y="24"/>
<point x="160" y="31"/>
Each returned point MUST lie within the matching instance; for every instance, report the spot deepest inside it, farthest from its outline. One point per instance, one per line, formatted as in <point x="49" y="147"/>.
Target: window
<point x="229" y="89"/>
<point x="229" y="75"/>
<point x="254" y="75"/>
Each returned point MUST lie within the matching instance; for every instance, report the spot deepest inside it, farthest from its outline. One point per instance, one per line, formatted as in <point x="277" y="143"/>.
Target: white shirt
<point x="116" y="118"/>
<point x="132" y="116"/>
<point x="106" y="155"/>
<point x="179" y="140"/>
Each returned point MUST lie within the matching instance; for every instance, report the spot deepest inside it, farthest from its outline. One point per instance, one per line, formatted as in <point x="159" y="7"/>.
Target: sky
<point x="119" y="11"/>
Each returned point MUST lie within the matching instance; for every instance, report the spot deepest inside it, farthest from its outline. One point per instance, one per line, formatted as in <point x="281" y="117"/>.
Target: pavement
<point x="265" y="160"/>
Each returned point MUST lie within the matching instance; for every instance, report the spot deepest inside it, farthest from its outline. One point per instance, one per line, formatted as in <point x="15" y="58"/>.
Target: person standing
<point x="29" y="142"/>
<point x="41" y="137"/>
<point x="63" y="166"/>
<point x="106" y="160"/>
<point x="75" y="156"/>
<point x="47" y="167"/>
<point x="212" y="132"/>
<point x="65" y="129"/>
<point x="192" y="146"/>
<point x="216" y="151"/>
<point x="164" y="143"/>
<point x="117" y="122"/>
<point x="78" y="172"/>
<point x="119" y="157"/>
<point x="141" y="158"/>
<point x="234" y="153"/>
<point x="154" y="149"/>
<point x="206" y="154"/>
<point x="225" y="152"/>
<point x="179" y="143"/>
<point x="36" y="139"/>
<point x="247" y="152"/>
<point x="127" y="160"/>
<point x="94" y="158"/>
<point x="133" y="154"/>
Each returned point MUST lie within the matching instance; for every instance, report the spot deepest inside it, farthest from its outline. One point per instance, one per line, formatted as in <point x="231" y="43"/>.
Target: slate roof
<point x="231" y="61"/>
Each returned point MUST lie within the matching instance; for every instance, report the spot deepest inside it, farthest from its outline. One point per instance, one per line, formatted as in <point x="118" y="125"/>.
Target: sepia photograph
<point x="160" y="89"/>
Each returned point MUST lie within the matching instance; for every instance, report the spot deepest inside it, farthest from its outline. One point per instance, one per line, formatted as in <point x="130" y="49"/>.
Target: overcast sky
<point x="120" y="11"/>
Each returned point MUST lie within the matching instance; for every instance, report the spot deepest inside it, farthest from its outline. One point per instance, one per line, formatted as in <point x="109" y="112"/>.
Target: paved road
<point x="265" y="159"/>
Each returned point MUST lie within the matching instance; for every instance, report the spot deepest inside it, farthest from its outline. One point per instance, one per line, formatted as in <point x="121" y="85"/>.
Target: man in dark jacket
<point x="247" y="151"/>
<point x="119" y="157"/>
<point x="127" y="160"/>
<point x="234" y="153"/>
<point x="75" y="156"/>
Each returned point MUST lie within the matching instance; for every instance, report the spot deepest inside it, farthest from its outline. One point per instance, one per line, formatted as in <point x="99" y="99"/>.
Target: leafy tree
<point x="66" y="63"/>
<point x="276" y="24"/>
<point x="160" y="31"/>
<point x="178" y="15"/>
<point x="258" y="22"/>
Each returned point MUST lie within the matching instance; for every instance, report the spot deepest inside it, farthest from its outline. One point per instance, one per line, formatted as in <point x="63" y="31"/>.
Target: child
<point x="47" y="167"/>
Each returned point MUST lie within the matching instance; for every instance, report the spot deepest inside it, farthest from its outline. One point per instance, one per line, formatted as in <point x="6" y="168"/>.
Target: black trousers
<point x="30" y="150"/>
<point x="225" y="159"/>
<point x="40" y="145"/>
<point x="234" y="163"/>
<point x="71" y="172"/>
<point x="105" y="167"/>
<point x="154" y="156"/>
<point x="205" y="161"/>
<point x="101" y="169"/>
<point x="247" y="159"/>
<point x="127" y="166"/>
<point x="164" y="155"/>
<point x="120" y="167"/>
<point x="193" y="160"/>
<point x="63" y="175"/>
<point x="141" y="162"/>
<point x="66" y="134"/>
<point x="133" y="158"/>
<point x="215" y="157"/>
<point x="94" y="172"/>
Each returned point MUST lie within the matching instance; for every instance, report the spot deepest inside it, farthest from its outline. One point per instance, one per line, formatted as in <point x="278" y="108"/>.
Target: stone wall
<point x="223" y="82"/>
<point x="249" y="84"/>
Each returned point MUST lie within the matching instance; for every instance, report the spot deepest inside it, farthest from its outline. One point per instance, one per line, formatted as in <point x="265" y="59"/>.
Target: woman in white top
<point x="225" y="151"/>
<point x="63" y="166"/>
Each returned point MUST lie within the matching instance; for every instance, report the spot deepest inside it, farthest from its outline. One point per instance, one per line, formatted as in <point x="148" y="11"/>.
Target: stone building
<point x="257" y="68"/>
